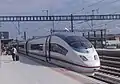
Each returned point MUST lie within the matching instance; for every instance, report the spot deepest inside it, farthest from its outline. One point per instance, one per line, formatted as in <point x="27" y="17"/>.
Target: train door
<point x="47" y="48"/>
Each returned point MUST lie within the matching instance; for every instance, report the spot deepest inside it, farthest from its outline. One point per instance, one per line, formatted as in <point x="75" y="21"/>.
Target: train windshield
<point x="78" y="43"/>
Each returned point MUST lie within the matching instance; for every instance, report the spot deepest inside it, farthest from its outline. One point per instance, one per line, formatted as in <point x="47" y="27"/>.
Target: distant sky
<point x="57" y="7"/>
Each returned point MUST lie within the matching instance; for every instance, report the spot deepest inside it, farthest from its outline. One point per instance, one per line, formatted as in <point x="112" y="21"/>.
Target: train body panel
<point x="37" y="46"/>
<point x="69" y="54"/>
<point x="69" y="51"/>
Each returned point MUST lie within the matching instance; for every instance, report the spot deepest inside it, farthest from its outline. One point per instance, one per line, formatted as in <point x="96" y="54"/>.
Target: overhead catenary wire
<point x="90" y="5"/>
<point x="97" y="10"/>
<point x="100" y="1"/>
<point x="96" y="3"/>
<point x="17" y="27"/>
<point x="100" y="25"/>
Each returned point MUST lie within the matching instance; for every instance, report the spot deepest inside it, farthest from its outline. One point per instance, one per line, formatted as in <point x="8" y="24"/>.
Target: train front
<point x="86" y="53"/>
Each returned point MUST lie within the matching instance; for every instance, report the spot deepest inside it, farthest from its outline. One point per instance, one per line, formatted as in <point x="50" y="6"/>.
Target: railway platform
<point x="109" y="52"/>
<point x="26" y="71"/>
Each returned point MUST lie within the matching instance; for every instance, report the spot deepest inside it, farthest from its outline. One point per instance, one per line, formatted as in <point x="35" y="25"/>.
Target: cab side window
<point x="21" y="46"/>
<point x="58" y="49"/>
<point x="37" y="47"/>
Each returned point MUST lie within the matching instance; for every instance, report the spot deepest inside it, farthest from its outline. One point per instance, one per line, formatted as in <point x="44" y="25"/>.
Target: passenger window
<point x="58" y="48"/>
<point x="37" y="47"/>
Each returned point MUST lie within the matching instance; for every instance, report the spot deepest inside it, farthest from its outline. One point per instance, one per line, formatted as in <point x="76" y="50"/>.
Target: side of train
<point x="70" y="51"/>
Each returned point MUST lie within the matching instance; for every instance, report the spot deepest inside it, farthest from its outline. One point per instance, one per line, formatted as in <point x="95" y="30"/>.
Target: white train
<point x="66" y="50"/>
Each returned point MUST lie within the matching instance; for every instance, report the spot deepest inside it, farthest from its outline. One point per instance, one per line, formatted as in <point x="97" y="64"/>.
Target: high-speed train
<point x="70" y="51"/>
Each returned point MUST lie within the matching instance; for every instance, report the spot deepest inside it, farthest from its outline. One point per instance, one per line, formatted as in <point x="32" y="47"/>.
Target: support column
<point x="24" y="35"/>
<point x="72" y="23"/>
<point x="102" y="38"/>
<point x="105" y="37"/>
<point x="95" y="39"/>
<point x="83" y="34"/>
<point x="88" y="35"/>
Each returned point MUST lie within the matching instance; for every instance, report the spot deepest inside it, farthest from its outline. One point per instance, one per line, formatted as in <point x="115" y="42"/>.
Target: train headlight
<point x="83" y="58"/>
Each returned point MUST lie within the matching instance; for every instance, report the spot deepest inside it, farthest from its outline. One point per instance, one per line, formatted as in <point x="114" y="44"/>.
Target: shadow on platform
<point x="27" y="60"/>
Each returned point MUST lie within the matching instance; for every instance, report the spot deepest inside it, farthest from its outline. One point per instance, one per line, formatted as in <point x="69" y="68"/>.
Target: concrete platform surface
<point x="27" y="71"/>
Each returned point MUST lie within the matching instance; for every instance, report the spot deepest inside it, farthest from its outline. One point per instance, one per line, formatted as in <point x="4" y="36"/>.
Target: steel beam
<point x="60" y="18"/>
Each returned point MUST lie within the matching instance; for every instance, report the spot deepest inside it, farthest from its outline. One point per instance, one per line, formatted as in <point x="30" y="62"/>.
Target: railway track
<point x="110" y="70"/>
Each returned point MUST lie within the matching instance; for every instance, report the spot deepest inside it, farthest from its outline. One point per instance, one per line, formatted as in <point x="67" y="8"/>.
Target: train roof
<point x="71" y="36"/>
<point x="64" y="35"/>
<point x="68" y="34"/>
<point x="61" y="35"/>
